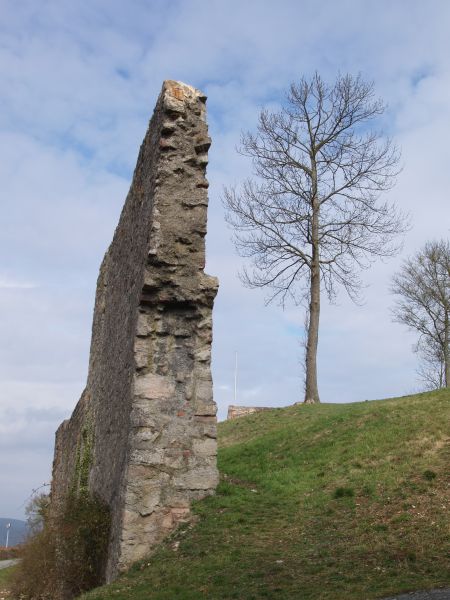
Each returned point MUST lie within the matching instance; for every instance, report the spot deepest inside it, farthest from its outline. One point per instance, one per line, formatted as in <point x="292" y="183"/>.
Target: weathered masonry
<point x="234" y="412"/>
<point x="145" y="426"/>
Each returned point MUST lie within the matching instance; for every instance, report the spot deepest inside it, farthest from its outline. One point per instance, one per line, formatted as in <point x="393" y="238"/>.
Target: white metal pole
<point x="235" y="377"/>
<point x="8" y="527"/>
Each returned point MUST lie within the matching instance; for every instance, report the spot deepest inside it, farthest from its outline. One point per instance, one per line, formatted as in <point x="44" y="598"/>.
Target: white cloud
<point x="7" y="283"/>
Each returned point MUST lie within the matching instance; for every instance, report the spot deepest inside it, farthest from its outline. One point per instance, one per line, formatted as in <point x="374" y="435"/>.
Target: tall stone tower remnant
<point x="145" y="424"/>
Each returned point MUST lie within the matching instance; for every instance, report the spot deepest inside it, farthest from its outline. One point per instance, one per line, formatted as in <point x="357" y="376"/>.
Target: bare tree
<point x="431" y="369"/>
<point x="311" y="217"/>
<point x="422" y="288"/>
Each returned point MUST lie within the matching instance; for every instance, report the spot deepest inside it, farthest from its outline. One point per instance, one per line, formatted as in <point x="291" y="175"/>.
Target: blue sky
<point x="79" y="83"/>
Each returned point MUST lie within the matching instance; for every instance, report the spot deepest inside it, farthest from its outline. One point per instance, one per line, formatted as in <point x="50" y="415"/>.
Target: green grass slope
<point x="315" y="502"/>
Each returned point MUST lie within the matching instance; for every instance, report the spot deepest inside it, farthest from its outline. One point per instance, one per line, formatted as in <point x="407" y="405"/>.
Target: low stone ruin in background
<point x="241" y="411"/>
<point x="143" y="434"/>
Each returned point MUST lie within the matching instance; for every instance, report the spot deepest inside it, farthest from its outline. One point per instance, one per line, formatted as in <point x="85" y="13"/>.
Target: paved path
<point x="431" y="595"/>
<point x="4" y="564"/>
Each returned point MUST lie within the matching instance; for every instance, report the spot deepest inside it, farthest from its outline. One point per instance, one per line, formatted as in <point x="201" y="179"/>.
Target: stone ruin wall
<point x="235" y="412"/>
<point x="147" y="415"/>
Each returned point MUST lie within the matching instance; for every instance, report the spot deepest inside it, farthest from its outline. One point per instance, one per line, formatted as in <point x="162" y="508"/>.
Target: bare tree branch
<point x="422" y="288"/>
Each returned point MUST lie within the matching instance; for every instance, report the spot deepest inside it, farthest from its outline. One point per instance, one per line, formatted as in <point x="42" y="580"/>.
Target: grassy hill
<point x="315" y="502"/>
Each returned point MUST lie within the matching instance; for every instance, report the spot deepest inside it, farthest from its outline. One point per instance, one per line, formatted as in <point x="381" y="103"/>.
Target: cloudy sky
<point x="79" y="83"/>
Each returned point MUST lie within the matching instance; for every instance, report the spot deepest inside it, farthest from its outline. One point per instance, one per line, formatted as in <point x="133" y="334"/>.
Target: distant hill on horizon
<point x="17" y="533"/>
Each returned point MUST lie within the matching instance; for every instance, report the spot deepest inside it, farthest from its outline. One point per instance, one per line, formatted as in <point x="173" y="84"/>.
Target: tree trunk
<point x="311" y="388"/>
<point x="446" y="352"/>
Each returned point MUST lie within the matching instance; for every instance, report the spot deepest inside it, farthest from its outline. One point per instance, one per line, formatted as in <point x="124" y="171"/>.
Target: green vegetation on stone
<point x="279" y="529"/>
<point x="83" y="459"/>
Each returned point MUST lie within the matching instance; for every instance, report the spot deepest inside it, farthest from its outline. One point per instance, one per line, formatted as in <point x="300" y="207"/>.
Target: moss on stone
<point x="83" y="461"/>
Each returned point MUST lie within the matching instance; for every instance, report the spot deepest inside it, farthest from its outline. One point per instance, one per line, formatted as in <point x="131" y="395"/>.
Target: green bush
<point x="67" y="555"/>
